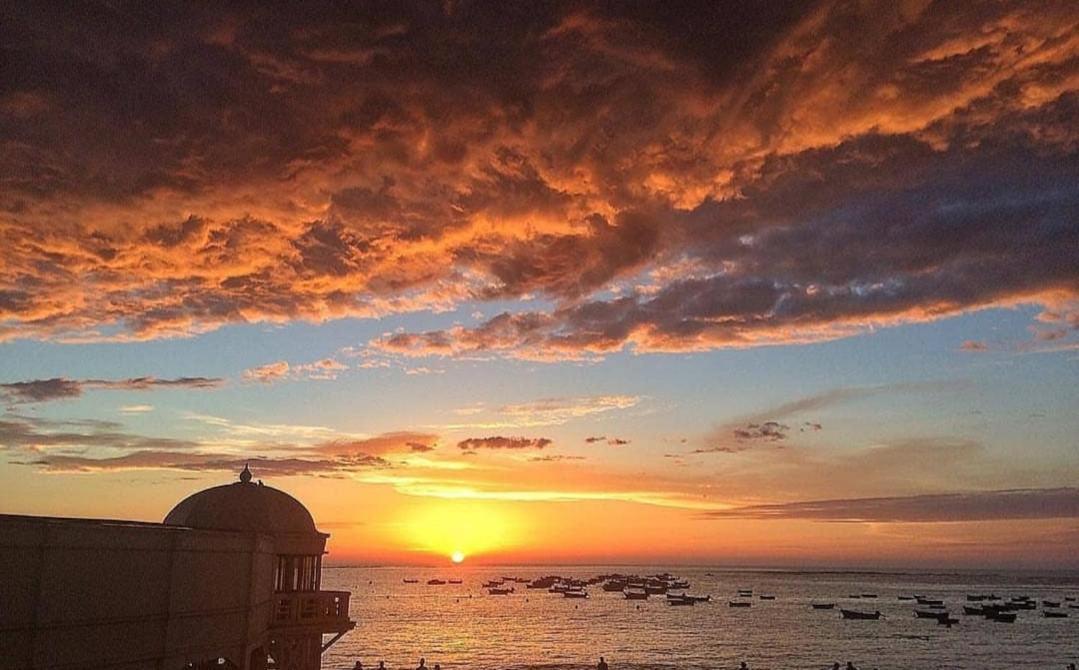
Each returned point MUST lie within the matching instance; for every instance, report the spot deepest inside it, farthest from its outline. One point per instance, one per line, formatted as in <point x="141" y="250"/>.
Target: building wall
<point x="98" y="594"/>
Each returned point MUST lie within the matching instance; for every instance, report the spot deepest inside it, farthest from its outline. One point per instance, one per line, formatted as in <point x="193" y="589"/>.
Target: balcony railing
<point x="326" y="609"/>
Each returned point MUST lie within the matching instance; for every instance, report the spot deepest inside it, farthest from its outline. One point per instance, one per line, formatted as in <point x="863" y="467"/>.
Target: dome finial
<point x="245" y="475"/>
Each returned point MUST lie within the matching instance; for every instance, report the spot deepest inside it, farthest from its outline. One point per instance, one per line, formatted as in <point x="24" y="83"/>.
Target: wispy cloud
<point x="544" y="412"/>
<point x="1058" y="503"/>
<point x="44" y="390"/>
<point x="136" y="409"/>
<point x="323" y="369"/>
<point x="211" y="462"/>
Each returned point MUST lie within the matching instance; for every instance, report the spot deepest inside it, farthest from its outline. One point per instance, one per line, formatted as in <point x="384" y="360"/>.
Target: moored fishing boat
<point x="855" y="614"/>
<point x="823" y="606"/>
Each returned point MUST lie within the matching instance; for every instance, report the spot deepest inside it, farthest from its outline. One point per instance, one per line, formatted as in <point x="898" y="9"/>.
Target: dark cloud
<point x="22" y="433"/>
<point x="554" y="458"/>
<point x="774" y="424"/>
<point x="1057" y="503"/>
<point x="42" y="390"/>
<point x="769" y="431"/>
<point x="665" y="177"/>
<point x="719" y="449"/>
<point x="209" y="462"/>
<point x="471" y="444"/>
<point x="610" y="441"/>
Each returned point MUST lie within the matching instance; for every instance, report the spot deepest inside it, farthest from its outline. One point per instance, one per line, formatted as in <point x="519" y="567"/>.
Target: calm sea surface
<point x="461" y="626"/>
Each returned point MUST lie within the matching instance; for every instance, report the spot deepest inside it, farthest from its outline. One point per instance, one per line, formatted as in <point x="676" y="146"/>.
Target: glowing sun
<point x="457" y="556"/>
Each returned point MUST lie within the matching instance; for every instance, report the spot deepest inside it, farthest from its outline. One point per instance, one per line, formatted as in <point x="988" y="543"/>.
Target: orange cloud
<point x="805" y="183"/>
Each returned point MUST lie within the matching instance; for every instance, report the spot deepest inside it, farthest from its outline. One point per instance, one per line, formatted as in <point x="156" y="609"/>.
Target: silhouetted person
<point x="382" y="665"/>
<point x="358" y="666"/>
<point x="835" y="666"/>
<point x="423" y="664"/>
<point x="743" y="666"/>
<point x="602" y="665"/>
<point x="850" y="666"/>
<point x="438" y="667"/>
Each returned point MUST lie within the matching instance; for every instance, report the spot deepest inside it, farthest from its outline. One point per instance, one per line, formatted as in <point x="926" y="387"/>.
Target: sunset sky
<point x="734" y="283"/>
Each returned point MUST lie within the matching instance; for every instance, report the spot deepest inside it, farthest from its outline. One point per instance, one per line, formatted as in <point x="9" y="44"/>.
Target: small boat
<point x="928" y="614"/>
<point x="738" y="603"/>
<point x="655" y="589"/>
<point x="947" y="621"/>
<point x="764" y="597"/>
<point x="1049" y="614"/>
<point x="454" y="581"/>
<point x="745" y="593"/>
<point x="1073" y="606"/>
<point x="929" y="601"/>
<point x="823" y="606"/>
<point x="635" y="595"/>
<point x="906" y="597"/>
<point x="698" y="599"/>
<point x="869" y="595"/>
<point x="855" y="596"/>
<point x="493" y="584"/>
<point x="1050" y="603"/>
<point x="575" y="594"/>
<point x="542" y="583"/>
<point x="855" y="614"/>
<point x="978" y="610"/>
<point x="1069" y="599"/>
<point x="1004" y="617"/>
<point x="500" y="591"/>
<point x="680" y="601"/>
<point x="435" y="582"/>
<point x="614" y="586"/>
<point x="411" y="581"/>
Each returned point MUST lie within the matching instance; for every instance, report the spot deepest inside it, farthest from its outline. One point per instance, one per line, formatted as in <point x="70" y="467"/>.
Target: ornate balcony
<point x="326" y="611"/>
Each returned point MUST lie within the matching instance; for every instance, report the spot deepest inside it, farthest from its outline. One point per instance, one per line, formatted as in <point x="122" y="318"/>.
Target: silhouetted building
<point x="231" y="579"/>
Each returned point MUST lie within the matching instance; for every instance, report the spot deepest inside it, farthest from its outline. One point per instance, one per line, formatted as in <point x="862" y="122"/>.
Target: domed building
<point x="232" y="578"/>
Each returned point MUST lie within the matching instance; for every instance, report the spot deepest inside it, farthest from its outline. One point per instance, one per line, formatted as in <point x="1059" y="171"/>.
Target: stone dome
<point x="243" y="506"/>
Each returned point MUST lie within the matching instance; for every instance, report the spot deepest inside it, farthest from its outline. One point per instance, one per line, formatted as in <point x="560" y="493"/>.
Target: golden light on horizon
<point x="460" y="529"/>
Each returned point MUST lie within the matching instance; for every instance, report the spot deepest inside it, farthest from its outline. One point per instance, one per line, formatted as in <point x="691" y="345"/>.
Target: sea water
<point x="461" y="626"/>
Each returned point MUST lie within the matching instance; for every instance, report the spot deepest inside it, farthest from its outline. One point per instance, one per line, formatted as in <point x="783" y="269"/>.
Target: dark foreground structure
<point x="231" y="579"/>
